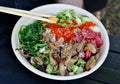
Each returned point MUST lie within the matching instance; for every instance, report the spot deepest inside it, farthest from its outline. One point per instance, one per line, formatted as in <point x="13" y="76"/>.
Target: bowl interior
<point x="54" y="9"/>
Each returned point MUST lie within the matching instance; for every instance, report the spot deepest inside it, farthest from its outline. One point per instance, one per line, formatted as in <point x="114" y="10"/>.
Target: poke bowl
<point x="74" y="47"/>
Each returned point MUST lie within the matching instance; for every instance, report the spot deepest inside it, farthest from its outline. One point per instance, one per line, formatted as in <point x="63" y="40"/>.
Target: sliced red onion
<point x="25" y="52"/>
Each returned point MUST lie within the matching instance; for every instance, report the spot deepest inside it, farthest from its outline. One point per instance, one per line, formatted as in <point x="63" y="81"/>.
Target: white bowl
<point x="54" y="9"/>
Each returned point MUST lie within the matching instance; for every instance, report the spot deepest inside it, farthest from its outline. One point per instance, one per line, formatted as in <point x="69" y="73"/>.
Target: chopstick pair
<point x="29" y="14"/>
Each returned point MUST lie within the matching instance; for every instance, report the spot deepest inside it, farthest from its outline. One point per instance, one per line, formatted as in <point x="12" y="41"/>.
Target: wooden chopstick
<point x="28" y="14"/>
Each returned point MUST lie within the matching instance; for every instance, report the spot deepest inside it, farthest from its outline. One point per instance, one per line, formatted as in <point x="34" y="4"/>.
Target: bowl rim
<point x="55" y="77"/>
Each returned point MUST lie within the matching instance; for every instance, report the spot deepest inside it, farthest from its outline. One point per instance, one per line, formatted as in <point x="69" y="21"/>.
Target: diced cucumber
<point x="68" y="14"/>
<point x="70" y="21"/>
<point x="74" y="68"/>
<point x="78" y="20"/>
<point x="85" y="19"/>
<point x="49" y="68"/>
<point x="64" y="25"/>
<point x="79" y="70"/>
<point x="60" y="15"/>
<point x="71" y="73"/>
<point x="61" y="20"/>
<point x="81" y="63"/>
<point x="95" y="29"/>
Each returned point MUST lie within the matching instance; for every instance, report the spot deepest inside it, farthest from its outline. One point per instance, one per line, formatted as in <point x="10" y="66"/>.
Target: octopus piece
<point x="68" y="58"/>
<point x="56" y="44"/>
<point x="90" y="63"/>
<point x="91" y="47"/>
<point x="38" y="60"/>
<point x="52" y="60"/>
<point x="56" y="57"/>
<point x="79" y="46"/>
<point x="97" y="56"/>
<point x="68" y="50"/>
<point x="55" y="67"/>
<point x="59" y="42"/>
<point x="49" y="37"/>
<point x="52" y="45"/>
<point x="70" y="53"/>
<point x="62" y="68"/>
<point x="71" y="61"/>
<point x="67" y="47"/>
